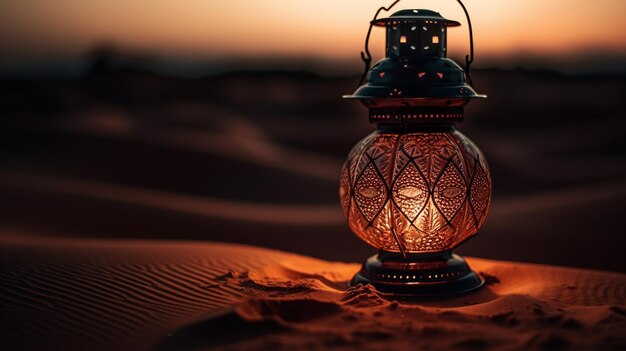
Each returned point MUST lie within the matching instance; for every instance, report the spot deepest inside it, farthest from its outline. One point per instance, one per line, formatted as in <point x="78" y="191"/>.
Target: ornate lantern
<point x="416" y="187"/>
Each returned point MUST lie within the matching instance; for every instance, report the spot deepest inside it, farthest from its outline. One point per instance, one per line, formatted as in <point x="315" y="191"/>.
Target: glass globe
<point x="415" y="192"/>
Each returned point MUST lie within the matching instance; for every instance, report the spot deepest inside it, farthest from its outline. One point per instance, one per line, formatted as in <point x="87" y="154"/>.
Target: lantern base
<point x="439" y="274"/>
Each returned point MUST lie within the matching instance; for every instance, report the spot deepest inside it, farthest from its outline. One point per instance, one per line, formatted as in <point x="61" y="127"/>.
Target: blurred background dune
<point x="223" y="121"/>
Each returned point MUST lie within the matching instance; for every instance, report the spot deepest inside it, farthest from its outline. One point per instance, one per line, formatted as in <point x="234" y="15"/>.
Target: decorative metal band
<point x="416" y="115"/>
<point x="412" y="276"/>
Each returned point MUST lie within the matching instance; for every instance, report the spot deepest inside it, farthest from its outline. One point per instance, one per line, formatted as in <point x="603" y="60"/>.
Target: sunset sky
<point x="33" y="31"/>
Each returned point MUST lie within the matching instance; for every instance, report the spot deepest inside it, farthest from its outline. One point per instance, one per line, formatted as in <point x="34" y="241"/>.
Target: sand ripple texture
<point x="147" y="295"/>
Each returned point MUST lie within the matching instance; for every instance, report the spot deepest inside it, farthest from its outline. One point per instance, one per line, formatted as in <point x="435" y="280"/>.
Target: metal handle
<point x="367" y="57"/>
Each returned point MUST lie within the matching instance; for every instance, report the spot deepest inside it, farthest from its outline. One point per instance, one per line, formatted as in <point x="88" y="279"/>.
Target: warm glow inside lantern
<point x="416" y="187"/>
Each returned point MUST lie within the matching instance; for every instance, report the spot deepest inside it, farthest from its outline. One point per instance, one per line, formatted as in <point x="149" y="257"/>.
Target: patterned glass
<point x="425" y="191"/>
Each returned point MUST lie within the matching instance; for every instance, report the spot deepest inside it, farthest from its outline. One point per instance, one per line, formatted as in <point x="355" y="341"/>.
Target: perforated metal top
<point x="418" y="15"/>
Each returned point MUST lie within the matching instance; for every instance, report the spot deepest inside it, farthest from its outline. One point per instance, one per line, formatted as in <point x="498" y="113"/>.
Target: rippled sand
<point x="141" y="295"/>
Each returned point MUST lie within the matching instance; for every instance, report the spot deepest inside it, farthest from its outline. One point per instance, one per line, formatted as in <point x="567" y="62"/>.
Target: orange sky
<point x="320" y="29"/>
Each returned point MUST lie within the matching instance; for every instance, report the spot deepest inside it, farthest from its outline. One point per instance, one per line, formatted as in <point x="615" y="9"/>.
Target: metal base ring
<point x="438" y="274"/>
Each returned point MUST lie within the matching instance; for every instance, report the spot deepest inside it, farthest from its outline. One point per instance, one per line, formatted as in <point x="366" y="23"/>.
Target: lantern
<point x="416" y="187"/>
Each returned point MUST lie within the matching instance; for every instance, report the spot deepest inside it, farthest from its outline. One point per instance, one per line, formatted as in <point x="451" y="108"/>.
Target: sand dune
<point x="232" y="136"/>
<point x="288" y="214"/>
<point x="204" y="206"/>
<point x="554" y="226"/>
<point x="254" y="158"/>
<point x="137" y="295"/>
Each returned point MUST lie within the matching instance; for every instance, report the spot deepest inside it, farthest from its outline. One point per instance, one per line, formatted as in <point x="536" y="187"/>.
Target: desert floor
<point x="141" y="295"/>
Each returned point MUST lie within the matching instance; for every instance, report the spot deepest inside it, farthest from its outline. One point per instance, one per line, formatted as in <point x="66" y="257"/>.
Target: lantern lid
<point x="415" y="72"/>
<point x="418" y="15"/>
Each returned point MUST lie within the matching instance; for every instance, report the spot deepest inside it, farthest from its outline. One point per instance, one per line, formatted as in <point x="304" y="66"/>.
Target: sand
<point x="74" y="294"/>
<point x="254" y="157"/>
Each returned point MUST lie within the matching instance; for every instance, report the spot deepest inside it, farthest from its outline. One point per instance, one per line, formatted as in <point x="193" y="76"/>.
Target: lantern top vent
<point x="415" y="72"/>
<point x="415" y="16"/>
